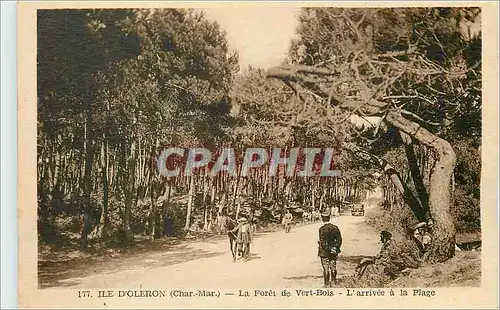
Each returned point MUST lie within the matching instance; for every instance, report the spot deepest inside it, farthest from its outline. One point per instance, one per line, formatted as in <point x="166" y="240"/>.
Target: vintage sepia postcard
<point x="302" y="155"/>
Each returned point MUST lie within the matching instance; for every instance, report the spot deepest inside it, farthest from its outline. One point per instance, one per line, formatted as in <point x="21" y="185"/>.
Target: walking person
<point x="330" y="241"/>
<point x="244" y="238"/>
<point x="287" y="221"/>
<point x="335" y="211"/>
<point x="317" y="215"/>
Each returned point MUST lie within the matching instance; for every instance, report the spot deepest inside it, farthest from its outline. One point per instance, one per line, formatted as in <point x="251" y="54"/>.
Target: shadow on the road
<point x="62" y="283"/>
<point x="346" y="266"/>
<point x="342" y="280"/>
<point x="51" y="274"/>
<point x="253" y="256"/>
<point x="355" y="259"/>
<point x="304" y="277"/>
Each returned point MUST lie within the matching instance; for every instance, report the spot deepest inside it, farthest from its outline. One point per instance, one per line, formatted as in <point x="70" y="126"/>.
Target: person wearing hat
<point x="379" y="262"/>
<point x="422" y="235"/>
<point x="386" y="239"/>
<point x="244" y="237"/>
<point x="330" y="241"/>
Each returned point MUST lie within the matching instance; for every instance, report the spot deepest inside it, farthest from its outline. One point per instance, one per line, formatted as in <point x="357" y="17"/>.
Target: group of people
<point x="422" y="235"/>
<point x="393" y="258"/>
<point x="240" y="233"/>
<point x="329" y="246"/>
<point x="312" y="216"/>
<point x="243" y="236"/>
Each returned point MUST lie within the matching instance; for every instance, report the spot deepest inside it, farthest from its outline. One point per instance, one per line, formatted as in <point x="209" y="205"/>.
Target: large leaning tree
<point x="407" y="70"/>
<point x="266" y="115"/>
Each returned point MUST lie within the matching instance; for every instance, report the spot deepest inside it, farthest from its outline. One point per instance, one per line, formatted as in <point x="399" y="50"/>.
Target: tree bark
<point x="206" y="188"/>
<point x="407" y="194"/>
<point x="129" y="191"/>
<point x="164" y="209"/>
<point x="190" y="203"/>
<point x="443" y="244"/>
<point x="104" y="221"/>
<point x="153" y="192"/>
<point x="415" y="171"/>
<point x="152" y="211"/>
<point x="87" y="181"/>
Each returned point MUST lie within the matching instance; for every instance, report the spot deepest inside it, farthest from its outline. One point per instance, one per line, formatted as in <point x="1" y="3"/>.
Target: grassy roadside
<point x="463" y="270"/>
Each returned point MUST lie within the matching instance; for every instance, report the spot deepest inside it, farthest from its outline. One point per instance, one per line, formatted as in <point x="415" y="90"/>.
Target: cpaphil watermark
<point x="302" y="162"/>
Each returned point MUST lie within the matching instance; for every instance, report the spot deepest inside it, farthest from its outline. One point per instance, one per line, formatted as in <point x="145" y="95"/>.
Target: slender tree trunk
<point x="322" y="199"/>
<point x="165" y="203"/>
<point x="212" y="204"/>
<point x="238" y="209"/>
<point x="205" y="203"/>
<point x="153" y="191"/>
<point x="104" y="221"/>
<point x="190" y="202"/>
<point x="129" y="193"/>
<point x="313" y="195"/>
<point x="222" y="186"/>
<point x="236" y="188"/>
<point x="152" y="211"/>
<point x="87" y="181"/>
<point x="355" y="190"/>
<point x="453" y="182"/>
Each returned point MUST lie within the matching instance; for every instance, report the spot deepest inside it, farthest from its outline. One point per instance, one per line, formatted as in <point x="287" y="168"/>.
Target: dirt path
<point x="278" y="259"/>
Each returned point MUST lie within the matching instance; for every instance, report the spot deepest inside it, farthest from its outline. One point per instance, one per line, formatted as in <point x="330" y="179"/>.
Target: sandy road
<point x="278" y="260"/>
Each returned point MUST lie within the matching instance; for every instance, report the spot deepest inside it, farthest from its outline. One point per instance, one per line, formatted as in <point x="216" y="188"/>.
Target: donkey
<point x="233" y="245"/>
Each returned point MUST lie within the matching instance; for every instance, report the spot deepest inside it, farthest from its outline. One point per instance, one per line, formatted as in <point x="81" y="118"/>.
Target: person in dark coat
<point x="330" y="241"/>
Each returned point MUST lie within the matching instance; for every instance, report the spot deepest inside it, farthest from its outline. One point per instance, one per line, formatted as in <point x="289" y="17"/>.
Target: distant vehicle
<point x="358" y="210"/>
<point x="345" y="206"/>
